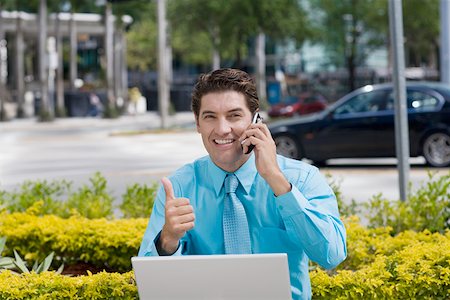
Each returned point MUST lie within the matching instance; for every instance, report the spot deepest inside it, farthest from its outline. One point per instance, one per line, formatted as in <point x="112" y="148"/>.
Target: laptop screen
<point x="249" y="276"/>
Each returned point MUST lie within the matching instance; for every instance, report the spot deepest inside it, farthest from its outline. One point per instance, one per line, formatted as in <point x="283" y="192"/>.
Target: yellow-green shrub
<point x="364" y="244"/>
<point x="49" y="285"/>
<point x="102" y="242"/>
<point x="410" y="265"/>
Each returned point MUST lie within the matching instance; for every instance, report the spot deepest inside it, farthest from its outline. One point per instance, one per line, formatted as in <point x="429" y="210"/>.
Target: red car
<point x="307" y="103"/>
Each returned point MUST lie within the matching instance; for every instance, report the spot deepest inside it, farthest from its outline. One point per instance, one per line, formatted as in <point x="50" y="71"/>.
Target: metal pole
<point x="401" y="113"/>
<point x="445" y="41"/>
<point x="163" y="90"/>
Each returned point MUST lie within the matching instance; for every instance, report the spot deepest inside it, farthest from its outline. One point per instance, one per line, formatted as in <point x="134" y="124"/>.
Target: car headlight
<point x="287" y="109"/>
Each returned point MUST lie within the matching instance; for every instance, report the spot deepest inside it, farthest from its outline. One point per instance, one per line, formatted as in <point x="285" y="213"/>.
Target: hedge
<point x="101" y="242"/>
<point x="406" y="266"/>
<point x="410" y="265"/>
<point x="49" y="285"/>
<point x="419" y="271"/>
<point x="364" y="244"/>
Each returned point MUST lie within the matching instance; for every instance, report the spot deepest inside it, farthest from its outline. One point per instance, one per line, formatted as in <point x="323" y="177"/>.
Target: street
<point x="131" y="150"/>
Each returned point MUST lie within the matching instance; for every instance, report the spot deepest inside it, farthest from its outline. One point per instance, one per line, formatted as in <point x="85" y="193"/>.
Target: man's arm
<point x="311" y="218"/>
<point x="311" y="215"/>
<point x="175" y="216"/>
<point x="265" y="157"/>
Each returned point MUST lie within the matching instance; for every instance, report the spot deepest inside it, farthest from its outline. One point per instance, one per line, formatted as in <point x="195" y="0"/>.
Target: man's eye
<point x="208" y="117"/>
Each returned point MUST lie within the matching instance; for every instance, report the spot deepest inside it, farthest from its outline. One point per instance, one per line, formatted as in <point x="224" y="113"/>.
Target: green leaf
<point x="35" y="265"/>
<point x="45" y="265"/>
<point x="6" y="263"/>
<point x="2" y="243"/>
<point x="20" y="263"/>
<point x="60" y="269"/>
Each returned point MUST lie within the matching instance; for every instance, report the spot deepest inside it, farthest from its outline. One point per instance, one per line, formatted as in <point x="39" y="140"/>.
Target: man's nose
<point x="223" y="127"/>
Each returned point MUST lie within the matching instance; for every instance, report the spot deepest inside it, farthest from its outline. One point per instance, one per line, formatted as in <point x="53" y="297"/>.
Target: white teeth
<point x="223" y="142"/>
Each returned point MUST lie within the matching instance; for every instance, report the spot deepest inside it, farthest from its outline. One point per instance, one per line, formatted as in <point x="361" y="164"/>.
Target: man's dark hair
<point x="223" y="80"/>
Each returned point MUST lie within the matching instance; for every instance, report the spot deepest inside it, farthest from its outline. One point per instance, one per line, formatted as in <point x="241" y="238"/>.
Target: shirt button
<point x="280" y="207"/>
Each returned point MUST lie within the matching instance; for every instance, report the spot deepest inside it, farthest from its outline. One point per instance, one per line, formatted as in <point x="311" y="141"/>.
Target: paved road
<point x="73" y="149"/>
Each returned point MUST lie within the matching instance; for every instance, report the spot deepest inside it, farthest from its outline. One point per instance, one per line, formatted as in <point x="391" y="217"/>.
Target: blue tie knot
<point x="231" y="183"/>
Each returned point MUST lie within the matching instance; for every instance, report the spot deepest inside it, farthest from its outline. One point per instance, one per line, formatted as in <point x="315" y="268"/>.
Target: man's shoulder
<point x="192" y="169"/>
<point x="286" y="163"/>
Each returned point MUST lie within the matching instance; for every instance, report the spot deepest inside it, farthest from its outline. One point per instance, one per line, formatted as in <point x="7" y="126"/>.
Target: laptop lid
<point x="250" y="276"/>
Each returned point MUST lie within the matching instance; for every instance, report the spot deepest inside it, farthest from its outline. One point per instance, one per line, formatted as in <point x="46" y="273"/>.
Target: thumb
<point x="168" y="188"/>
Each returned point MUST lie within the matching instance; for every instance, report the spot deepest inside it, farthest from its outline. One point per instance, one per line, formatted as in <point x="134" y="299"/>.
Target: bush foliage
<point x="92" y="201"/>
<point x="50" y="285"/>
<point x="426" y="209"/>
<point x="403" y="254"/>
<point x="100" y="242"/>
<point x="410" y="265"/>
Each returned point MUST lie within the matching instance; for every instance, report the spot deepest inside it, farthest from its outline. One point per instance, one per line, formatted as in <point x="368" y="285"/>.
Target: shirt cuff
<point x="155" y="252"/>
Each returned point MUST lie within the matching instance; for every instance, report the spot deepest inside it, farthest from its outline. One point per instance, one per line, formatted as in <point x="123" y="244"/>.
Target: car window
<point x="417" y="100"/>
<point x="366" y="102"/>
<point x="421" y="101"/>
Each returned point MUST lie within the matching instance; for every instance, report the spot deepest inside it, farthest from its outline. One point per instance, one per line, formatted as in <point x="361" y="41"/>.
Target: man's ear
<point x="197" y="124"/>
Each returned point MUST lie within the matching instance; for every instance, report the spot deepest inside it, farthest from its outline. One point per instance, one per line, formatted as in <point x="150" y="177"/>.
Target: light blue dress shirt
<point x="304" y="223"/>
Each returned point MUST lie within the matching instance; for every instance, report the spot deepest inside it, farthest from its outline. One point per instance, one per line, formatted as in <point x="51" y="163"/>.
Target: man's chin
<point x="227" y="162"/>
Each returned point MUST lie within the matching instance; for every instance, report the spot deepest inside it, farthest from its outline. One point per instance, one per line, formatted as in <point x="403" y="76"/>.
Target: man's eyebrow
<point x="207" y="112"/>
<point x="236" y="110"/>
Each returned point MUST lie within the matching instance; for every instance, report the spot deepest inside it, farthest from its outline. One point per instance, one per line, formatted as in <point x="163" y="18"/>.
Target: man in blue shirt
<point x="289" y="206"/>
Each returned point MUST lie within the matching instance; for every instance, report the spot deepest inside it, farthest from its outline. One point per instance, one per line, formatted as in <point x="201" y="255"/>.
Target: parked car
<point x="361" y="124"/>
<point x="304" y="104"/>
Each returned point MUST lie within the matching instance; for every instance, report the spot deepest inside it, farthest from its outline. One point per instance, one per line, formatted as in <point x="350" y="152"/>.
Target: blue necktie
<point x="235" y="225"/>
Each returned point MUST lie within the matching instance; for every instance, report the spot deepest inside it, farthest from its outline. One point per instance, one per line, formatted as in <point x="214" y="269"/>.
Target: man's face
<point x="223" y="117"/>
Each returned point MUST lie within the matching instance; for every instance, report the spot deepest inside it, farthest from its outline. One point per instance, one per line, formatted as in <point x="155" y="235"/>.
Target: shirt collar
<point x="245" y="174"/>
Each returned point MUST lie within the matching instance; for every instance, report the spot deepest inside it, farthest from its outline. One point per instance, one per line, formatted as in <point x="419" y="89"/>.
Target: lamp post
<point x="401" y="113"/>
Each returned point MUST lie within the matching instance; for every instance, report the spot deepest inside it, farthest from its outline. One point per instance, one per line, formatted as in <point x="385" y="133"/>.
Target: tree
<point x="350" y="30"/>
<point x="421" y="30"/>
<point x="141" y="39"/>
<point x="199" y="19"/>
<point x="224" y="27"/>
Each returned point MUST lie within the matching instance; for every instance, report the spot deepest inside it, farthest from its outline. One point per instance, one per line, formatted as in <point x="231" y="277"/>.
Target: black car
<point x="361" y="124"/>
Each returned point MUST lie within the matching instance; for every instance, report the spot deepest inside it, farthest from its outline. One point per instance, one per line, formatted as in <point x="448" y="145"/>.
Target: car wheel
<point x="436" y="149"/>
<point x="287" y="147"/>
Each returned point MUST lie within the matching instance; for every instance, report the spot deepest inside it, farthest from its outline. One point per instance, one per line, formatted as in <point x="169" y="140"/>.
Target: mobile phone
<point x="256" y="119"/>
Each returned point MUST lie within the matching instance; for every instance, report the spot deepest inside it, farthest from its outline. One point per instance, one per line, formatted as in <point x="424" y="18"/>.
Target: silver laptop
<point x="253" y="276"/>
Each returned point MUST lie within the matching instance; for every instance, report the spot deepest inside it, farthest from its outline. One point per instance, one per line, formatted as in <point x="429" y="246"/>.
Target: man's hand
<point x="179" y="218"/>
<point x="265" y="156"/>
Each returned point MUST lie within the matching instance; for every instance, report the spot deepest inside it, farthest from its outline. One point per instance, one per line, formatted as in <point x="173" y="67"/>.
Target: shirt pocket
<point x="273" y="240"/>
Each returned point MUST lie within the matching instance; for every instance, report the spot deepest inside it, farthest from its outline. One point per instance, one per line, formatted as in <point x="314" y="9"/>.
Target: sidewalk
<point x="149" y="120"/>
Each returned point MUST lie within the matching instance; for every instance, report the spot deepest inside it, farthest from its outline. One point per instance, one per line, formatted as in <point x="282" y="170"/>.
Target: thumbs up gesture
<point x="179" y="218"/>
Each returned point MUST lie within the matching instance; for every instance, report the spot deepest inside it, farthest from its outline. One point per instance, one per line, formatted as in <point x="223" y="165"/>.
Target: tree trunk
<point x="45" y="113"/>
<point x="261" y="69"/>
<point x="111" y="109"/>
<point x="163" y="87"/>
<point x="215" y="50"/>
<point x="60" y="107"/>
<point x="2" y="75"/>
<point x="19" y="68"/>
<point x="73" y="51"/>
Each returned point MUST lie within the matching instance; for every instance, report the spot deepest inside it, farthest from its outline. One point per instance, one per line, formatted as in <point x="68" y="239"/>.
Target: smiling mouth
<point x="223" y="141"/>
